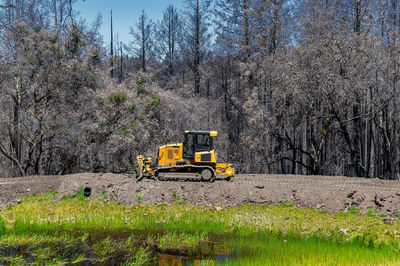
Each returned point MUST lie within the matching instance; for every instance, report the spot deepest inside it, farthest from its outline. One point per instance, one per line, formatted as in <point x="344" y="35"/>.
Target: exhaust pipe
<point x="87" y="191"/>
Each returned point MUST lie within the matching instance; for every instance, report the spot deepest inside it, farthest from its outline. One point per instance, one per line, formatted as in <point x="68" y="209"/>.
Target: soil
<point x="330" y="193"/>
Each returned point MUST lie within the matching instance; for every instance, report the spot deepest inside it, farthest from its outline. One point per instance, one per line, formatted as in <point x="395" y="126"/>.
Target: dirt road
<point x="332" y="193"/>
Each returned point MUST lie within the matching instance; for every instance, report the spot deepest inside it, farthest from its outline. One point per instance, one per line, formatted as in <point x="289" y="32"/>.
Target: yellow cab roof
<point x="211" y="133"/>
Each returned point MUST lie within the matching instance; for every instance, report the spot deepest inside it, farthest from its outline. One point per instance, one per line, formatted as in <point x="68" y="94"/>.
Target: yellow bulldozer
<point x="193" y="159"/>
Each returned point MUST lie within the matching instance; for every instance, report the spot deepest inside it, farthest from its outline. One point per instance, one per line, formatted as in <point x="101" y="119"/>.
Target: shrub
<point x="117" y="98"/>
<point x="140" y="83"/>
<point x="139" y="197"/>
<point x="154" y="101"/>
<point x="131" y="108"/>
<point x="123" y="130"/>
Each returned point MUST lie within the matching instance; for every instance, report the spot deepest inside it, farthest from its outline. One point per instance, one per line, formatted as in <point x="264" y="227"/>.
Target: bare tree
<point x="168" y="34"/>
<point x="233" y="27"/>
<point x="142" y="45"/>
<point x="197" y="36"/>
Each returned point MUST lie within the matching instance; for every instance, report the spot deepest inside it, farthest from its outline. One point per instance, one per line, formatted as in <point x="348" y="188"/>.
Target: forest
<point x="292" y="87"/>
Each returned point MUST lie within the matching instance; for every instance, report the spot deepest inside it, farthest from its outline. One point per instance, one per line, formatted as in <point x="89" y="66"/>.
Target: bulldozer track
<point x="166" y="169"/>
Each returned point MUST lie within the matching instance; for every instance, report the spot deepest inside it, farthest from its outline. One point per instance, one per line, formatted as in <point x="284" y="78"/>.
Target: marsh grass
<point x="296" y="251"/>
<point x="74" y="215"/>
<point x="2" y="226"/>
<point x="139" y="257"/>
<point x="184" y="228"/>
<point x="183" y="243"/>
<point x="65" y="249"/>
<point x="23" y="249"/>
<point x="120" y="251"/>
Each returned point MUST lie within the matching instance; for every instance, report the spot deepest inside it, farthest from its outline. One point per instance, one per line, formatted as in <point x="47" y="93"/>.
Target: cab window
<point x="203" y="142"/>
<point x="188" y="146"/>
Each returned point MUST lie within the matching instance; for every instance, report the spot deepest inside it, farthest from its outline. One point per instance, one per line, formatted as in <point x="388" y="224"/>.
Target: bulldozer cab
<point x="197" y="141"/>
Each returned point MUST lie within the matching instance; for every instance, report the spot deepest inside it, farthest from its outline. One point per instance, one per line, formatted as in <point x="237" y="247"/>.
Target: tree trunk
<point x="112" y="50"/>
<point x="197" y="51"/>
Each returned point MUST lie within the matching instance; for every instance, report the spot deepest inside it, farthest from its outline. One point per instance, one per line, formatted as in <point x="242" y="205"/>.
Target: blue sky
<point x="125" y="14"/>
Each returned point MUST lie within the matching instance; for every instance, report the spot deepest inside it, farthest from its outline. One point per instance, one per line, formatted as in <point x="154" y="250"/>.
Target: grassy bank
<point x="94" y="229"/>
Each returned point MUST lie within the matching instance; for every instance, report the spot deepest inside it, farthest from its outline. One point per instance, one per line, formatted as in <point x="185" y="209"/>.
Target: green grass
<point x="79" y="194"/>
<point x="109" y="250"/>
<point x="77" y="214"/>
<point x="184" y="243"/>
<point x="372" y="212"/>
<point x="43" y="249"/>
<point x="295" y="251"/>
<point x="49" y="230"/>
<point x="49" y="195"/>
<point x="139" y="197"/>
<point x="2" y="226"/>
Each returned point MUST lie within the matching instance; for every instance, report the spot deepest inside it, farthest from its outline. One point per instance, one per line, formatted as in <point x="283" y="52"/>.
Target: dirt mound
<point x="331" y="193"/>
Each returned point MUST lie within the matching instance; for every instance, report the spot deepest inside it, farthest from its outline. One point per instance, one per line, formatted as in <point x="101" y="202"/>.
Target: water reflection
<point x="221" y="254"/>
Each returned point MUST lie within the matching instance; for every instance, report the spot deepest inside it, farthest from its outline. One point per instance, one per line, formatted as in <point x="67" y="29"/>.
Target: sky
<point x="125" y="14"/>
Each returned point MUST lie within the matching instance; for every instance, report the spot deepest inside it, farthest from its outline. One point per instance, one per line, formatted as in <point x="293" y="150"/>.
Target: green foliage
<point x="353" y="210"/>
<point x="75" y="39"/>
<point x="141" y="84"/>
<point x="48" y="195"/>
<point x="131" y="108"/>
<point x="94" y="56"/>
<point x="105" y="249"/>
<point x="323" y="131"/>
<point x="130" y="168"/>
<point x="133" y="123"/>
<point x="123" y="130"/>
<point x="206" y="262"/>
<point x="174" y="196"/>
<point x="40" y="249"/>
<point x="79" y="194"/>
<point x="126" y="250"/>
<point x="103" y="194"/>
<point x="2" y="226"/>
<point x="311" y="251"/>
<point x="154" y="101"/>
<point x="287" y="204"/>
<point x="139" y="197"/>
<point x="117" y="98"/>
<point x="372" y="213"/>
<point x="77" y="68"/>
<point x="139" y="257"/>
<point x="181" y="240"/>
<point x="21" y="91"/>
